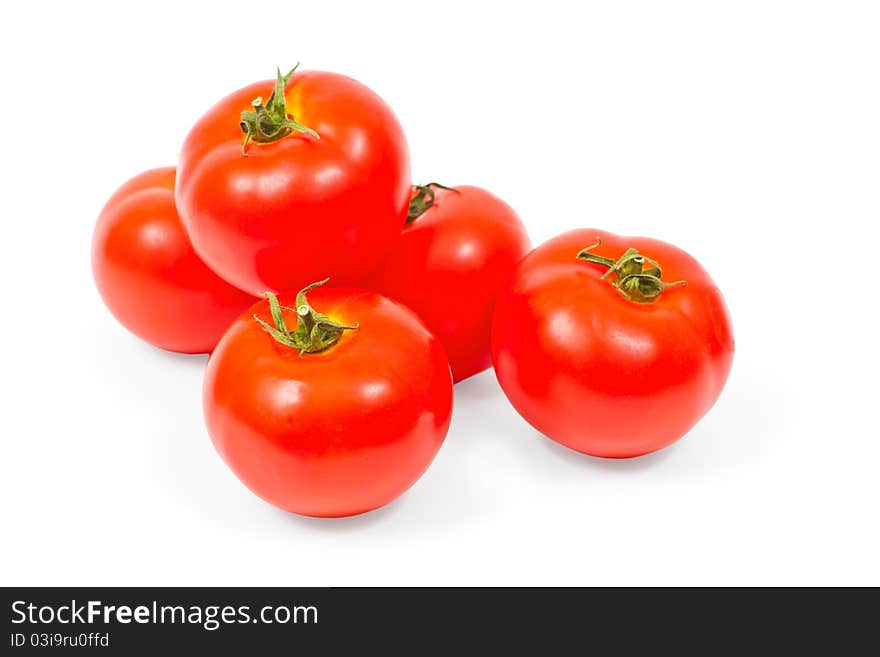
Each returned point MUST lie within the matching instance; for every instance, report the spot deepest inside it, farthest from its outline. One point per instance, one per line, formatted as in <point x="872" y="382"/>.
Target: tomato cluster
<point x="331" y="393"/>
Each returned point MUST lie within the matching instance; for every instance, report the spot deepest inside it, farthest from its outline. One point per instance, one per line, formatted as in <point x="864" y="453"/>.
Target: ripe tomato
<point x="336" y="417"/>
<point x="607" y="354"/>
<point x="458" y="250"/>
<point x="150" y="277"/>
<point x="281" y="210"/>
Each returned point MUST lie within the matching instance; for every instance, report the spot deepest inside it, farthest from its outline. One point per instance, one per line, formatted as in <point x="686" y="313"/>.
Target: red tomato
<point x="616" y="366"/>
<point x="290" y="206"/>
<point x="337" y="416"/>
<point x="456" y="253"/>
<point x="150" y="277"/>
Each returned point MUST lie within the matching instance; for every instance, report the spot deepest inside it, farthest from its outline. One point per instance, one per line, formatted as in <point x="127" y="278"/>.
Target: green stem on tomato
<point x="314" y="332"/>
<point x="423" y="199"/>
<point x="270" y="122"/>
<point x="628" y="274"/>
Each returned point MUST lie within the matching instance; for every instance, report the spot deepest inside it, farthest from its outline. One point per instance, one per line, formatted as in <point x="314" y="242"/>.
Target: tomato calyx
<point x="314" y="332"/>
<point x="271" y="122"/>
<point x="423" y="199"/>
<point x="628" y="274"/>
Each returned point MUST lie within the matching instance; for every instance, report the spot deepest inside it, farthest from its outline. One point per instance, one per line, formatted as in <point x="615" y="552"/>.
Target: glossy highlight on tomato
<point x="457" y="252"/>
<point x="613" y="364"/>
<point x="328" y="405"/>
<point x="320" y="188"/>
<point x="149" y="275"/>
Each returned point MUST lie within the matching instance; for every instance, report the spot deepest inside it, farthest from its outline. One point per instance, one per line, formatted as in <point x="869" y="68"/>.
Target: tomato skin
<point x="597" y="372"/>
<point x="449" y="266"/>
<point x="295" y="210"/>
<point x="333" y="433"/>
<point x="149" y="275"/>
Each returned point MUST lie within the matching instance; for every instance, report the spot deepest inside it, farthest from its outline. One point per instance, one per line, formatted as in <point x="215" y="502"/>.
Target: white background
<point x="746" y="132"/>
